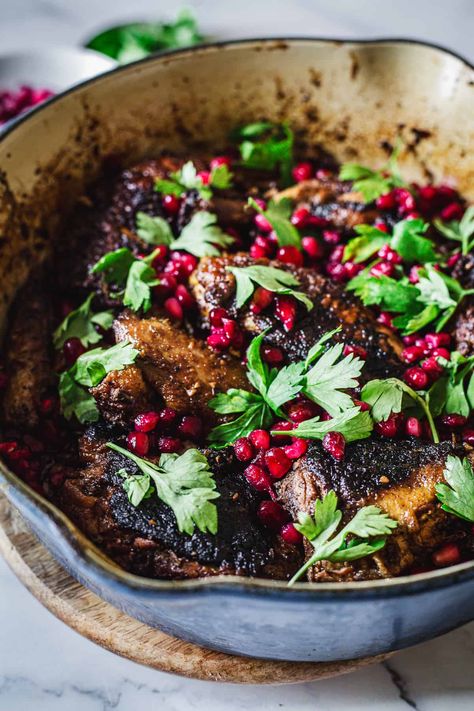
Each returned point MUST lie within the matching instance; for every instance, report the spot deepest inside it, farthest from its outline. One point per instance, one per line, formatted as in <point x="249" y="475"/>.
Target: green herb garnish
<point x="457" y="495"/>
<point x="135" y="276"/>
<point x="88" y="371"/>
<point x="188" y="178"/>
<point x="276" y="280"/>
<point x="369" y="527"/>
<point x="81" y="323"/>
<point x="352" y="423"/>
<point x="153" y="230"/>
<point x="278" y="215"/>
<point x="450" y="394"/>
<point x="459" y="230"/>
<point x="184" y="482"/>
<point x="265" y="146"/>
<point x="373" y="183"/>
<point x="202" y="236"/>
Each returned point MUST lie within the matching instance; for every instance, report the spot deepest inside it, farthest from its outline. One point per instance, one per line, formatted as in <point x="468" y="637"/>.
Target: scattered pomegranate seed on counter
<point x="13" y="103"/>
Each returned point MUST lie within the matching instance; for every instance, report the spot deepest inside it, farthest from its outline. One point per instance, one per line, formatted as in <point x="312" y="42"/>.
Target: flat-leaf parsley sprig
<point x="276" y="280"/>
<point x="459" y="230"/>
<point x="457" y="494"/>
<point x="184" y="482"/>
<point x="369" y="526"/>
<point x="82" y="323"/>
<point x="373" y="183"/>
<point x="265" y="145"/>
<point x="408" y="240"/>
<point x="278" y="215"/>
<point x="188" y="178"/>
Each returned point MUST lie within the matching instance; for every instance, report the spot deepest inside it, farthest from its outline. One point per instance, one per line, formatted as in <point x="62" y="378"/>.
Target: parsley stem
<point x="314" y="559"/>
<point x="422" y="402"/>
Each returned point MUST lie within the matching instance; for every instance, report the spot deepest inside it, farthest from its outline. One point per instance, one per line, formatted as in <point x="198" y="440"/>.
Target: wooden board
<point x="103" y="624"/>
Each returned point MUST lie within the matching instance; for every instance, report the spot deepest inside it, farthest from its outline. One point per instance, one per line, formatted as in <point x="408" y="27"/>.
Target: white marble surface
<point x="44" y="666"/>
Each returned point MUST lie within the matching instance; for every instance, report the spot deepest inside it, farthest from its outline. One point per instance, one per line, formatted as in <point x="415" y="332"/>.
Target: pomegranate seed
<point x="296" y="449"/>
<point x="48" y="405"/>
<point x="364" y="406"/>
<point x="257" y="251"/>
<point x="188" y="263"/>
<point x="356" y="350"/>
<point x="169" y="445"/>
<point x="291" y="535"/>
<point x="453" y="211"/>
<point x="261" y="299"/>
<point x="168" y="416"/>
<point x="405" y="200"/>
<point x="285" y="311"/>
<point x="412" y="354"/>
<point x="413" y="427"/>
<point x="386" y="202"/>
<point x="335" y="444"/>
<point x="220" y="160"/>
<point x="174" y="308"/>
<point x="389" y="255"/>
<point x="409" y="340"/>
<point x="416" y="378"/>
<point x="243" y="449"/>
<point x="216" y="316"/>
<point x="300" y="217"/>
<point x="382" y="269"/>
<point x="391" y="426"/>
<point x="138" y="443"/>
<point x="449" y="554"/>
<point x="432" y="367"/>
<point x="72" y="349"/>
<point x="184" y="297"/>
<point x="166" y="286"/>
<point x="257" y="477"/>
<point x="277" y="462"/>
<point x="290" y="255"/>
<point x="441" y="353"/>
<point x="302" y="171"/>
<point x="381" y="225"/>
<point x="385" y="319"/>
<point x="146" y="421"/>
<point x="413" y="276"/>
<point x="272" y="515"/>
<point x="468" y="436"/>
<point x="204" y="176"/>
<point x="282" y="426"/>
<point x="301" y="411"/>
<point x="190" y="426"/>
<point x="260" y="439"/>
<point x="312" y="247"/>
<point x="218" y="340"/>
<point x="323" y="174"/>
<point x="331" y="236"/>
<point x="352" y="269"/>
<point x="171" y="204"/>
<point x="272" y="355"/>
<point x="337" y="254"/>
<point x="336" y="271"/>
<point x="262" y="223"/>
<point x="8" y="447"/>
<point x="454" y="422"/>
<point x="437" y="340"/>
<point x="161" y="254"/>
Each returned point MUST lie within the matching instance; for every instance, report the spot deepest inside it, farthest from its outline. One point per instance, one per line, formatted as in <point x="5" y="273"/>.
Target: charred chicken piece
<point x="214" y="286"/>
<point x="146" y="541"/>
<point x="397" y="476"/>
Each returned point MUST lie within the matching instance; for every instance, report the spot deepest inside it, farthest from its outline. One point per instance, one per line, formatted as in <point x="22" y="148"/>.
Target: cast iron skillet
<point x="351" y="97"/>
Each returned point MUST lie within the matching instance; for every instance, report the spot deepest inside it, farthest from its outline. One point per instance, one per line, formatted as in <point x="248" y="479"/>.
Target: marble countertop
<point x="44" y="666"/>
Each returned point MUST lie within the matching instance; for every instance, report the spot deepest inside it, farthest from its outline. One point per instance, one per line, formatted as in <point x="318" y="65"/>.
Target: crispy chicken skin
<point x="173" y="369"/>
<point x="214" y="286"/>
<point x="397" y="476"/>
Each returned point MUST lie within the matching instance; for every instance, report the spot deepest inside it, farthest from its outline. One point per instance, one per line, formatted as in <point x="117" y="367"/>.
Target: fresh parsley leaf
<point x="265" y="146"/>
<point x="88" y="371"/>
<point x="368" y="243"/>
<point x="278" y="215"/>
<point x="188" y="178"/>
<point x="409" y="242"/>
<point x="136" y="486"/>
<point x="457" y="495"/>
<point x="81" y="323"/>
<point x="153" y="230"/>
<point x="270" y="278"/>
<point x="184" y="482"/>
<point x="234" y="400"/>
<point x="434" y="290"/>
<point x="320" y="346"/>
<point x="395" y="295"/>
<point x="127" y="43"/>
<point x="459" y="231"/>
<point x="136" y="275"/>
<point x="221" y="177"/>
<point x="353" y="424"/>
<point x="369" y="526"/>
<point x="372" y="183"/>
<point x="449" y="393"/>
<point x="257" y="416"/>
<point x="330" y="376"/>
<point x="202" y="236"/>
<point x="115" y="266"/>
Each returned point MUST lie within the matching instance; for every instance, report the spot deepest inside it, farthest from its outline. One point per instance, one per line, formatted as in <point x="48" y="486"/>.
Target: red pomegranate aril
<point x="405" y="200"/>
<point x="260" y="439"/>
<point x="335" y="444"/>
<point x="454" y="422"/>
<point x="272" y="355"/>
<point x="190" y="426"/>
<point x="453" y="211"/>
<point x="204" y="176"/>
<point x="218" y="340"/>
<point x="277" y="462"/>
<point x="391" y="426"/>
<point x="174" y="308"/>
<point x="382" y="269"/>
<point x="331" y="236"/>
<point x="48" y="405"/>
<point x="272" y="515"/>
<point x="243" y="449"/>
<point x="168" y="416"/>
<point x="336" y="271"/>
<point x="72" y="349"/>
<point x="432" y="367"/>
<point x="282" y="426"/>
<point x="257" y="477"/>
<point x="416" y="378"/>
<point x="300" y="217"/>
<point x="312" y="247"/>
<point x="437" y="340"/>
<point x="323" y="174"/>
<point x="220" y="160"/>
<point x="302" y="171"/>
<point x="441" y="353"/>
<point x="389" y="255"/>
<point x="453" y="259"/>
<point x="285" y="310"/>
<point x="167" y="285"/>
<point x="262" y="223"/>
<point x="216" y="316"/>
<point x="337" y="254"/>
<point x="161" y="254"/>
<point x="146" y="421"/>
<point x="352" y="269"/>
<point x="188" y="263"/>
<point x="184" y="297"/>
<point x="364" y="406"/>
<point x="290" y="255"/>
<point x="171" y="204"/>
<point x="449" y="554"/>
<point x="468" y="436"/>
<point x="258" y="251"/>
<point x="138" y="443"/>
<point x="385" y="319"/>
<point x="296" y="449"/>
<point x="358" y="351"/>
<point x="301" y="411"/>
<point x="262" y="298"/>
<point x="414" y="276"/>
<point x="386" y="202"/>
<point x="412" y="354"/>
<point x="291" y="535"/>
<point x="409" y="340"/>
<point x="413" y="427"/>
<point x="169" y="445"/>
